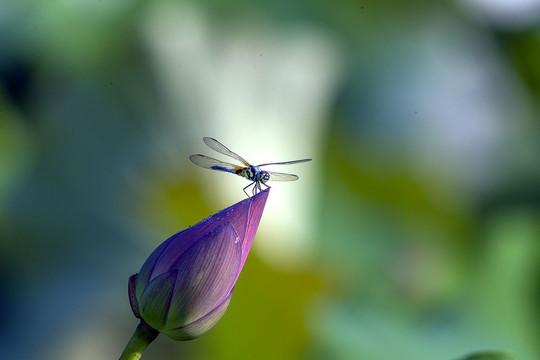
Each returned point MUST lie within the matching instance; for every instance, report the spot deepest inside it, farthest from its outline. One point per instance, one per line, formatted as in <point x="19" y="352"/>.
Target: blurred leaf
<point x="489" y="355"/>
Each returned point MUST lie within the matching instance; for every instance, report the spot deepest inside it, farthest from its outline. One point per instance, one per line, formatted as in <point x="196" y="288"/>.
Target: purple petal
<point x="202" y="325"/>
<point x="148" y="267"/>
<point x="156" y="299"/>
<point x="132" y="296"/>
<point x="254" y="217"/>
<point x="206" y="274"/>
<point x="240" y="215"/>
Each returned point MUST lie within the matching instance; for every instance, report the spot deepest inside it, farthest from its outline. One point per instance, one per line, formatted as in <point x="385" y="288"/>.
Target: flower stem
<point x="142" y="337"/>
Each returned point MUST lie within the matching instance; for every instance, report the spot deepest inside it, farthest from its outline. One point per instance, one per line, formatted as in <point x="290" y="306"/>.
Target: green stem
<point x="142" y="337"/>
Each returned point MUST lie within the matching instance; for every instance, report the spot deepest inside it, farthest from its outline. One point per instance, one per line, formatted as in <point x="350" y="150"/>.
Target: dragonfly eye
<point x="264" y="176"/>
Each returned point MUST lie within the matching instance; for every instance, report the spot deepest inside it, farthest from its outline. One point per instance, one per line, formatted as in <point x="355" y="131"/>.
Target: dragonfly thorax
<point x="254" y="173"/>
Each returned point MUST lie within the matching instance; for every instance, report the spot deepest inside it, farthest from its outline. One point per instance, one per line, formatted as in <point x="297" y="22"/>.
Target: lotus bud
<point x="186" y="284"/>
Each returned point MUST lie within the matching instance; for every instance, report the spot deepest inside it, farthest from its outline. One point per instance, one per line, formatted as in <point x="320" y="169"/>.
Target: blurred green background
<point x="413" y="234"/>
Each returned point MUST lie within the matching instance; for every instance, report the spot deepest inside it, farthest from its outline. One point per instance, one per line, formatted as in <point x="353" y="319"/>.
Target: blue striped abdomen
<point x="223" y="169"/>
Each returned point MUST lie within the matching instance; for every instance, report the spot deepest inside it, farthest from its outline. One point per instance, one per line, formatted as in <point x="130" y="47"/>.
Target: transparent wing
<point x="286" y="162"/>
<point x="220" y="148"/>
<point x="275" y="176"/>
<point x="213" y="164"/>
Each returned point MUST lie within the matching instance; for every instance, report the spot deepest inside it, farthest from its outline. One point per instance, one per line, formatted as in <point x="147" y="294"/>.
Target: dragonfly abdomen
<point x="215" y="167"/>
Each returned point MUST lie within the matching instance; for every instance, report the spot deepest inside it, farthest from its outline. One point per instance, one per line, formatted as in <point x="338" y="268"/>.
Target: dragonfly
<point x="252" y="173"/>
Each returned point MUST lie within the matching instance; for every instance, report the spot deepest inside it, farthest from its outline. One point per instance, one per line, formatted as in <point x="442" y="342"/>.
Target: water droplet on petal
<point x="237" y="240"/>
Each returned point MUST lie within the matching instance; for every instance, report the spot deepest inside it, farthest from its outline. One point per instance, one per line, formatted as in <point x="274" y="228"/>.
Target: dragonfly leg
<point x="247" y="187"/>
<point x="257" y="187"/>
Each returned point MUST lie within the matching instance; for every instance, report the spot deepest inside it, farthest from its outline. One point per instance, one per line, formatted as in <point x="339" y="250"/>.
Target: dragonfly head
<point x="263" y="176"/>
